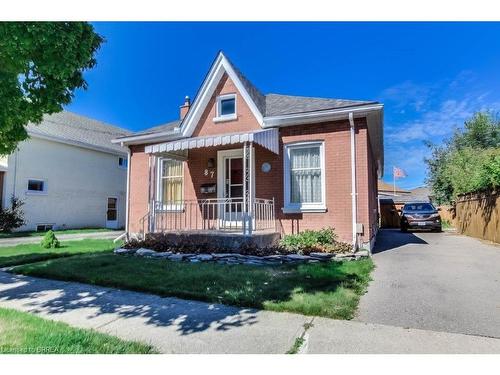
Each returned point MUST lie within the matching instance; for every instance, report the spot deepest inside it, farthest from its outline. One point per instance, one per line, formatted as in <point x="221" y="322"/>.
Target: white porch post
<point x="247" y="188"/>
<point x="250" y="188"/>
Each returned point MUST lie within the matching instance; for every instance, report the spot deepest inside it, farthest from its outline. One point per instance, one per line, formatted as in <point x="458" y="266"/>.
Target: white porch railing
<point x="213" y="214"/>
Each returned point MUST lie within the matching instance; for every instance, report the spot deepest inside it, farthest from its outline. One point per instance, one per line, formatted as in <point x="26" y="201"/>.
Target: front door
<point x="112" y="213"/>
<point x="233" y="188"/>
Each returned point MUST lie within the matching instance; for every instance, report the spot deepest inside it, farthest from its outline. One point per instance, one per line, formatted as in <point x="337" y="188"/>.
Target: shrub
<point x="322" y="240"/>
<point x="50" y="240"/>
<point x="13" y="217"/>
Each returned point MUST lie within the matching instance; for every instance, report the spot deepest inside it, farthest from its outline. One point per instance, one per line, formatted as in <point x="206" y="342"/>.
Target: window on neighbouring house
<point x="44" y="227"/>
<point x="304" y="177"/>
<point x="36" y="186"/>
<point x="171" y="182"/>
<point x="122" y="162"/>
<point x="226" y="106"/>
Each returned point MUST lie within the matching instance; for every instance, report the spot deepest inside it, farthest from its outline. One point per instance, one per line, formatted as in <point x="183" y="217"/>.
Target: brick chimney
<point x="185" y="107"/>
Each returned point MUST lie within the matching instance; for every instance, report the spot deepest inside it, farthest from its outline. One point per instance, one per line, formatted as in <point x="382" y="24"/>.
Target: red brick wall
<point x="139" y="185"/>
<point x="245" y="120"/>
<point x="338" y="178"/>
<point x="336" y="136"/>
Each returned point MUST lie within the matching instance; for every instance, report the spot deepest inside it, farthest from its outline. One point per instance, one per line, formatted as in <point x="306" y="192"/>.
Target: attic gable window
<point x="226" y="108"/>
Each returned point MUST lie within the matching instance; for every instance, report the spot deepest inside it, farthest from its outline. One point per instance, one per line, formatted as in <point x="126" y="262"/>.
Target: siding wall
<point x="79" y="181"/>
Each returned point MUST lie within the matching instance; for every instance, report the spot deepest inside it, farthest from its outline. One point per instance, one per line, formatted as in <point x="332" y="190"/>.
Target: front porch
<point x="206" y="185"/>
<point x="228" y="215"/>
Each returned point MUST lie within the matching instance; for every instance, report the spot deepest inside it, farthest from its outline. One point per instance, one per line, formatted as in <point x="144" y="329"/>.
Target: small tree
<point x="469" y="161"/>
<point x="50" y="240"/>
<point x="13" y="217"/>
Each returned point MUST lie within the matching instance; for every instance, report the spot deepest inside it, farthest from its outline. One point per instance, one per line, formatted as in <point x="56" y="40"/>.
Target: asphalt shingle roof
<point x="160" y="128"/>
<point x="68" y="126"/>
<point x="276" y="104"/>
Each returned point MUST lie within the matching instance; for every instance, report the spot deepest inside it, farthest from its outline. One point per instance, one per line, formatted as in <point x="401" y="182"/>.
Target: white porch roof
<point x="266" y="138"/>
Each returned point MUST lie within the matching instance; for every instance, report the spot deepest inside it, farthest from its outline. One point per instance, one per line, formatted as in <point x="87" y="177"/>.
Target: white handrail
<point x="211" y="214"/>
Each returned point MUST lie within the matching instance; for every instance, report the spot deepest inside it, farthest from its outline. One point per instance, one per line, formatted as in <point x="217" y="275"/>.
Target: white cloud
<point x="437" y="108"/>
<point x="415" y="113"/>
<point x="437" y="123"/>
<point x="407" y="94"/>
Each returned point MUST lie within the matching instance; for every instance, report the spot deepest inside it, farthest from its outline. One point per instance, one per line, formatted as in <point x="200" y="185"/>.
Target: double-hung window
<point x="171" y="184"/>
<point x="305" y="177"/>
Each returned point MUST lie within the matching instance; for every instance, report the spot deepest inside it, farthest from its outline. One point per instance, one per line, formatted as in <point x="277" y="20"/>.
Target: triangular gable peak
<point x="221" y="69"/>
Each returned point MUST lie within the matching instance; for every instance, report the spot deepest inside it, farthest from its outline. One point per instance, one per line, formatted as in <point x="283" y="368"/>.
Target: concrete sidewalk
<point x="178" y="326"/>
<point x="14" y="241"/>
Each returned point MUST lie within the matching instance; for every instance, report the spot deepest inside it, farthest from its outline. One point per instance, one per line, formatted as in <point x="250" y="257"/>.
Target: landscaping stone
<point x="176" y="257"/>
<point x="273" y="257"/>
<point x="204" y="257"/>
<point x="296" y="257"/>
<point x="254" y="260"/>
<point x="144" y="252"/>
<point x="161" y="255"/>
<point x="220" y="256"/>
<point x="322" y="255"/>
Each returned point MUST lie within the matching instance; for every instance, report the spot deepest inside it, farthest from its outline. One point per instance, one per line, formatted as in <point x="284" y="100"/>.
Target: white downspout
<point x="127" y="203"/>
<point x="354" y="193"/>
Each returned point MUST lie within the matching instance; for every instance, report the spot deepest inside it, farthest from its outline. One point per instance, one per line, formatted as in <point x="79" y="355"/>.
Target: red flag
<point x="398" y="172"/>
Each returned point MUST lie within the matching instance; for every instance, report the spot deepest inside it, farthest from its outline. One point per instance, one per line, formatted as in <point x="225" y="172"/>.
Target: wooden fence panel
<point x="477" y="215"/>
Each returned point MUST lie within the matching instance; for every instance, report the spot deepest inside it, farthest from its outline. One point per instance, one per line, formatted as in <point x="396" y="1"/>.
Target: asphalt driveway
<point x="434" y="281"/>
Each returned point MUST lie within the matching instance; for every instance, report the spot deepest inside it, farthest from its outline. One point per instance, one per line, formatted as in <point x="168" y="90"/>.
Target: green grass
<point x="62" y="231"/>
<point x="23" y="333"/>
<point x="328" y="289"/>
<point x="29" y="253"/>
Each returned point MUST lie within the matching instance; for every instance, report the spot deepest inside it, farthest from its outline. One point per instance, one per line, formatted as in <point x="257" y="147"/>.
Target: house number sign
<point x="209" y="172"/>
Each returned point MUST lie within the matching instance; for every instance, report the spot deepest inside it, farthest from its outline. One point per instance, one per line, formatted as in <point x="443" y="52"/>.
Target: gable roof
<point x="387" y="187"/>
<point x="272" y="110"/>
<point x="68" y="127"/>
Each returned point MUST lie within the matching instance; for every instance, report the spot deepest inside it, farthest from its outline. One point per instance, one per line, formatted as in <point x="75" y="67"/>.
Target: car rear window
<point x="419" y="207"/>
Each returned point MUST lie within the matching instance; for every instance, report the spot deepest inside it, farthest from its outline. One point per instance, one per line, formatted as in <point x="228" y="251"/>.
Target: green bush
<point x="311" y="240"/>
<point x="50" y="240"/>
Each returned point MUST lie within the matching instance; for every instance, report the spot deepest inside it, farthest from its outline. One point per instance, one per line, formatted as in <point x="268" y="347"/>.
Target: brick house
<point x="249" y="164"/>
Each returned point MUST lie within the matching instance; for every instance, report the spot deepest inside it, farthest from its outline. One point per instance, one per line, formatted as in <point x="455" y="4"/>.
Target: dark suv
<point x="420" y="216"/>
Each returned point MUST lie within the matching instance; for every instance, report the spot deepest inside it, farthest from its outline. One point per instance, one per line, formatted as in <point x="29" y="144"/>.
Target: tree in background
<point x="467" y="162"/>
<point x="41" y="66"/>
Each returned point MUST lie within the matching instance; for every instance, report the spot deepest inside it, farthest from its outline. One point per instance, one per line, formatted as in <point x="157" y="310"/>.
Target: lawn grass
<point x="23" y="333"/>
<point x="29" y="253"/>
<point x="328" y="289"/>
<point x="61" y="231"/>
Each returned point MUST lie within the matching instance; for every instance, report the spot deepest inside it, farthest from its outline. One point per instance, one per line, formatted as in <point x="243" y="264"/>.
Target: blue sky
<point x="430" y="76"/>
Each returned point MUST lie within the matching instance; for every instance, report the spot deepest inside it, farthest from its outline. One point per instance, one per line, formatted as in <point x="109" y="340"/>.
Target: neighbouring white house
<point x="68" y="173"/>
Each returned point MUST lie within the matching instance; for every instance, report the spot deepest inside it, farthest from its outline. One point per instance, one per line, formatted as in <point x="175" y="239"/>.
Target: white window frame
<point x="159" y="190"/>
<point x="229" y="117"/>
<point x="125" y="160"/>
<point x="45" y="225"/>
<point x="290" y="207"/>
<point x="36" y="192"/>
